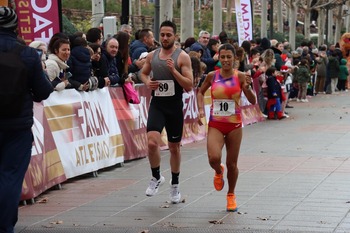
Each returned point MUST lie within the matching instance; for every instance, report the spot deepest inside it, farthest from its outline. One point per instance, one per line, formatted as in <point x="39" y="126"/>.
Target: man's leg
<point x="15" y="154"/>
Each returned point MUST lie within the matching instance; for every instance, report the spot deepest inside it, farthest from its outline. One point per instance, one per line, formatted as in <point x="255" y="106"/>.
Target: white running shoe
<point x="175" y="194"/>
<point x="304" y="100"/>
<point x="154" y="186"/>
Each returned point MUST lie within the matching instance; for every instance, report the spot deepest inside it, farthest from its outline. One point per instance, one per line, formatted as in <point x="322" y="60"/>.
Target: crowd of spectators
<point x="86" y="61"/>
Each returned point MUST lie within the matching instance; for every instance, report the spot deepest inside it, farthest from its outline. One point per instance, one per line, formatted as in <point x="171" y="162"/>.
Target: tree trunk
<point x="307" y="24"/>
<point x="330" y="37"/>
<point x="279" y="16"/>
<point x="338" y="24"/>
<point x="263" y="19"/>
<point x="166" y="10"/>
<point x="98" y="12"/>
<point x="320" y="24"/>
<point x="229" y="15"/>
<point x="292" y="24"/>
<point x="217" y="17"/>
<point x="187" y="23"/>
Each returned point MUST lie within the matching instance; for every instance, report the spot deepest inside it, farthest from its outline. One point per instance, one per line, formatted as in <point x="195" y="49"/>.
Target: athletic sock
<point x="156" y="172"/>
<point x="175" y="178"/>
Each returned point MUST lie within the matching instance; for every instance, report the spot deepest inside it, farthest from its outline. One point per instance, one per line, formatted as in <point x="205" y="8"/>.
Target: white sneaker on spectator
<point x="304" y="100"/>
<point x="175" y="194"/>
<point x="154" y="186"/>
<point x="298" y="100"/>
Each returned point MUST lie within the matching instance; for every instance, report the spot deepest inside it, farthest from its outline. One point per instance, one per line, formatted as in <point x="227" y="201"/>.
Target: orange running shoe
<point x="219" y="179"/>
<point x="231" y="203"/>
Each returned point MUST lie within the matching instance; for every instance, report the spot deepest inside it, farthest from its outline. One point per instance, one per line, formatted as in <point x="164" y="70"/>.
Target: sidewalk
<point x="294" y="177"/>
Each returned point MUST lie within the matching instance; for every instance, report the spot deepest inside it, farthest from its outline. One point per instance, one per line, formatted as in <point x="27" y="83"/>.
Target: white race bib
<point x="224" y="107"/>
<point x="165" y="88"/>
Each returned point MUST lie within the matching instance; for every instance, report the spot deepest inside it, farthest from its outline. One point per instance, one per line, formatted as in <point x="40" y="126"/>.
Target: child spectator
<point x="343" y="75"/>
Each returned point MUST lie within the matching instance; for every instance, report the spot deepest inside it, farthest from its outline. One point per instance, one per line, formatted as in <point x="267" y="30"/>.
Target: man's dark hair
<point x="144" y="33"/>
<point x="93" y="35"/>
<point x="168" y="23"/>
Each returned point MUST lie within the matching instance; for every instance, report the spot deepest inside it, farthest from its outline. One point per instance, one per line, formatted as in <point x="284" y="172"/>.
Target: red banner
<point x="37" y="19"/>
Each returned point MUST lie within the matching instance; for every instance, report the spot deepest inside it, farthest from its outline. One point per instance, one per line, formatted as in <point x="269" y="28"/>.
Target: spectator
<point x="277" y="49"/>
<point x="109" y="52"/>
<point x="203" y="41"/>
<point x="56" y="36"/>
<point x="40" y="45"/>
<point x="274" y="95"/>
<point x="343" y="75"/>
<point x="302" y="76"/>
<point x="79" y="64"/>
<point x="332" y="73"/>
<point x="213" y="46"/>
<point x="99" y="68"/>
<point x="126" y="28"/>
<point x="322" y="61"/>
<point x="188" y="42"/>
<point x="16" y="137"/>
<point x="94" y="35"/>
<point x="143" y="44"/>
<point x="124" y="64"/>
<point x="223" y="37"/>
<point x="56" y="64"/>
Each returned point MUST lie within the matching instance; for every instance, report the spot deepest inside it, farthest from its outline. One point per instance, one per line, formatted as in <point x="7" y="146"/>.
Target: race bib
<point x="165" y="88"/>
<point x="224" y="107"/>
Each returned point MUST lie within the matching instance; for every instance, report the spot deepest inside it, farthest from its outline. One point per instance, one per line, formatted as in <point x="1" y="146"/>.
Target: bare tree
<point x="293" y="6"/>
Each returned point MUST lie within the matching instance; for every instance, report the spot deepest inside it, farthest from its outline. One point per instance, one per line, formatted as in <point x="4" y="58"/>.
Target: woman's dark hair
<point x="57" y="44"/>
<point x="270" y="71"/>
<point x="56" y="36"/>
<point x="212" y="42"/>
<point x="227" y="46"/>
<point x="189" y="41"/>
<point x="123" y="40"/>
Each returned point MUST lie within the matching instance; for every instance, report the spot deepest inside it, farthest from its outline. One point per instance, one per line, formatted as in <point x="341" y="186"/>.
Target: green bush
<point x="67" y="26"/>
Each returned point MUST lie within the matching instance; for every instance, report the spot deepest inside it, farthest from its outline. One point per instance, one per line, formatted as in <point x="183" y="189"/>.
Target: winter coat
<point x="333" y="67"/>
<point x="39" y="87"/>
<point x="80" y="64"/>
<point x="322" y="66"/>
<point x="343" y="70"/>
<point x="302" y="75"/>
<point x="136" y="49"/>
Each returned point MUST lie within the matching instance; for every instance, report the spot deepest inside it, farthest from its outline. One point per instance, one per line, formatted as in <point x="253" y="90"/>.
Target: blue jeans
<point x="15" y="154"/>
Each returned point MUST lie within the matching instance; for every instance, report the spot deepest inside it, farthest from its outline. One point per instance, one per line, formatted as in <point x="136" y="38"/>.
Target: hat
<point x="284" y="69"/>
<point x="315" y="51"/>
<point x="196" y="47"/>
<point x="8" y="18"/>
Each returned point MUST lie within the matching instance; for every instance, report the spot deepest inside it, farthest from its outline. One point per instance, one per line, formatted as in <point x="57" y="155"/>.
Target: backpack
<point x="13" y="82"/>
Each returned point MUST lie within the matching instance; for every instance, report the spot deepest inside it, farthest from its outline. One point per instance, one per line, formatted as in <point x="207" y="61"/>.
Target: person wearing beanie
<point x="16" y="135"/>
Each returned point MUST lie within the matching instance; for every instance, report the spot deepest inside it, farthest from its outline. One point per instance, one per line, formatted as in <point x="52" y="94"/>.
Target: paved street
<point x="294" y="177"/>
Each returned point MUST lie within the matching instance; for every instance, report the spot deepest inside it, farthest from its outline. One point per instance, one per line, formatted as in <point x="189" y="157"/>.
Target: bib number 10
<point x="223" y="107"/>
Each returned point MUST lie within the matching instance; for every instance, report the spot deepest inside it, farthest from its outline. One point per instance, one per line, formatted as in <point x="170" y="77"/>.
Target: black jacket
<point x="39" y="87"/>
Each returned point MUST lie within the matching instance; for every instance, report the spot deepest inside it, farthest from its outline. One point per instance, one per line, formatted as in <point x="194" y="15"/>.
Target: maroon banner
<point x="37" y="19"/>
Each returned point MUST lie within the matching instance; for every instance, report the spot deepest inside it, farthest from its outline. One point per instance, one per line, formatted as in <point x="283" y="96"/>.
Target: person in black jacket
<point x="16" y="136"/>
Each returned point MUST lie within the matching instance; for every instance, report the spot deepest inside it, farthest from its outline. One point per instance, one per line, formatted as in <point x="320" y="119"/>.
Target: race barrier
<point x="81" y="132"/>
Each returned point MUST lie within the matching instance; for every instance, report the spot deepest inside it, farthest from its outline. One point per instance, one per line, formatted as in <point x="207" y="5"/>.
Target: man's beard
<point x="169" y="46"/>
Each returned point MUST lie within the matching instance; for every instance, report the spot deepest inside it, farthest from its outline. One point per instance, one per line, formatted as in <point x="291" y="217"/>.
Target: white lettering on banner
<point x="92" y="152"/>
<point x="44" y="9"/>
<point x="38" y="134"/>
<point x="42" y="24"/>
<point x="190" y="105"/>
<point x="94" y="123"/>
<point x="143" y="112"/>
<point x="244" y="20"/>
